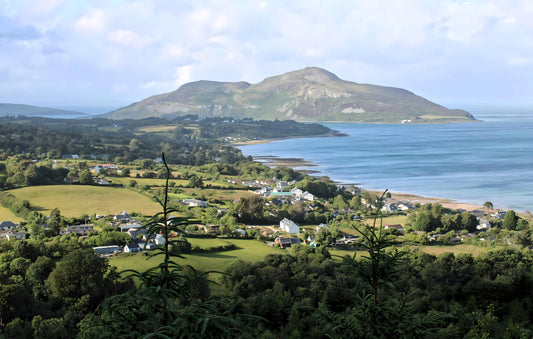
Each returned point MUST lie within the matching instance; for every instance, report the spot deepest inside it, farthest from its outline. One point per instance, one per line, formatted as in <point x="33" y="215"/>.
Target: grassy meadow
<point x="76" y="200"/>
<point x="248" y="250"/>
<point x="455" y="249"/>
<point x="7" y="215"/>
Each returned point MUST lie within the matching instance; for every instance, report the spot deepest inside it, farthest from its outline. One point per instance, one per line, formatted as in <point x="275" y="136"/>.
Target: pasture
<point x="7" y="215"/>
<point x="77" y="200"/>
<point x="248" y="250"/>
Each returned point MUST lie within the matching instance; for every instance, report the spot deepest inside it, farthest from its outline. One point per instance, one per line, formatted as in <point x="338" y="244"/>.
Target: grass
<point x="159" y="128"/>
<point x="147" y="181"/>
<point x="76" y="200"/>
<point x="393" y="219"/>
<point x="248" y="250"/>
<point x="7" y="215"/>
<point x="455" y="249"/>
<point x="207" y="242"/>
<point x="207" y="193"/>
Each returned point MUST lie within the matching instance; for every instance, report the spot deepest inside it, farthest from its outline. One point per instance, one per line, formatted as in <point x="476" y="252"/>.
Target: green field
<point x="455" y="249"/>
<point x="222" y="194"/>
<point x="394" y="219"/>
<point x="7" y="215"/>
<point x="147" y="181"/>
<point x="434" y="250"/>
<point x="76" y="200"/>
<point x="248" y="250"/>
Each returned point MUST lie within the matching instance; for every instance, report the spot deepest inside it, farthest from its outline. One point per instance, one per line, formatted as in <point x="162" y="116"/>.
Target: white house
<point x="308" y="196"/>
<point x="297" y="192"/>
<point x="289" y="226"/>
<point x="389" y="208"/>
<point x="404" y="206"/>
<point x="131" y="248"/>
<point x="484" y="224"/>
<point x="322" y="226"/>
<point x="159" y="239"/>
<point x="195" y="203"/>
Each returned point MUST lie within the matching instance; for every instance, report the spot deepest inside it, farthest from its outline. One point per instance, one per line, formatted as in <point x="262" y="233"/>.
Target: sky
<point x="110" y="53"/>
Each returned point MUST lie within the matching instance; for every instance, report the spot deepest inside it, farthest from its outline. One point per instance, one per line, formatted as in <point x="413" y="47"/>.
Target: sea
<point x="490" y="160"/>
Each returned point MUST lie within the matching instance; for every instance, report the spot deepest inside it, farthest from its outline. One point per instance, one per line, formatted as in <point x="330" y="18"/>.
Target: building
<point x="9" y="235"/>
<point x="7" y="225"/>
<point x="159" y="239"/>
<point x="286" y="242"/>
<point x="77" y="229"/>
<point x="289" y="226"/>
<point x="123" y="217"/>
<point x="322" y="226"/>
<point x="106" y="250"/>
<point x="127" y="227"/>
<point x="195" y="203"/>
<point x="396" y="227"/>
<point x="132" y="248"/>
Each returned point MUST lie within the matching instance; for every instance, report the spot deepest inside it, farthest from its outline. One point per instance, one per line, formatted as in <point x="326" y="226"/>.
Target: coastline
<point x="297" y="163"/>
<point x="333" y="133"/>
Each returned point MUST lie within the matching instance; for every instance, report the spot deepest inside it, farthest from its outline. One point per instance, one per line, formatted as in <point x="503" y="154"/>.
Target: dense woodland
<point x="185" y="140"/>
<point x="54" y="286"/>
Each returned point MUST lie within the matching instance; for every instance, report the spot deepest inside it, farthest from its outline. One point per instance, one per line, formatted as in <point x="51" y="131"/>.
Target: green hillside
<point x="310" y="94"/>
<point x="35" y="111"/>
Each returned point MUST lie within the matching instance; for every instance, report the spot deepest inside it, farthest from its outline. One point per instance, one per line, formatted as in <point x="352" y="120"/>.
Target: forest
<point x="56" y="287"/>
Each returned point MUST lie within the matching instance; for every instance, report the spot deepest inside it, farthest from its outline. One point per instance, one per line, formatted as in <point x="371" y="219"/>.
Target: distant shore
<point x="333" y="133"/>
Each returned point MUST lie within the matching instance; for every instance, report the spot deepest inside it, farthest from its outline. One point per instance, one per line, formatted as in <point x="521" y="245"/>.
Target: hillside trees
<point x="430" y="217"/>
<point x="80" y="273"/>
<point x="249" y="209"/>
<point x="510" y="220"/>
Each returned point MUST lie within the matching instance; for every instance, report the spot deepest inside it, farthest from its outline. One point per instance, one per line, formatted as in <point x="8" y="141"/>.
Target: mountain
<point x="310" y="94"/>
<point x="36" y="111"/>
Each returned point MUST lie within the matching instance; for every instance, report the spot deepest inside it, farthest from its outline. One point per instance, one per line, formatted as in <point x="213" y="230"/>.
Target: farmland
<point x="76" y="200"/>
<point x="249" y="250"/>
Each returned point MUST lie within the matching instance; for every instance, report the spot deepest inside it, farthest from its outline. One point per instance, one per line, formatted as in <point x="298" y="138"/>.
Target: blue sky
<point x="109" y="53"/>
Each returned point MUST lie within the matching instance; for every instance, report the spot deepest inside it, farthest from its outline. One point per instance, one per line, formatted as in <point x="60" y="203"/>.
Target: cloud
<point x="94" y="22"/>
<point x="11" y="29"/>
<point x="140" y="48"/>
<point x="126" y="38"/>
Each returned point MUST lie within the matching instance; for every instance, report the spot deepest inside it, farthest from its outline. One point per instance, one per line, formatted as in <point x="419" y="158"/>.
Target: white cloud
<point x="144" y="47"/>
<point x="183" y="75"/>
<point x="94" y="22"/>
<point x="126" y="38"/>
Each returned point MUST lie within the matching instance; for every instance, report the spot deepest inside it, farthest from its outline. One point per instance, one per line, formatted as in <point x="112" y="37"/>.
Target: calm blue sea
<point x="468" y="162"/>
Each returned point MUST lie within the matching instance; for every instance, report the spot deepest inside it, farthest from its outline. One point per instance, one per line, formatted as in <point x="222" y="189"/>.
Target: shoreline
<point x="296" y="163"/>
<point x="333" y="133"/>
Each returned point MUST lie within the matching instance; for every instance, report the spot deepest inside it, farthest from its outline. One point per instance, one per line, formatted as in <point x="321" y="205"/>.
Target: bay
<point x="476" y="162"/>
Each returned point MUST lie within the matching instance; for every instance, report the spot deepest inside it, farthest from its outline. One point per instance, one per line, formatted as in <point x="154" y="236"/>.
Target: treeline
<point x="435" y="217"/>
<point x="306" y="294"/>
<point x="216" y="128"/>
<point x="190" y="142"/>
<point x="55" y="288"/>
<point x="19" y="171"/>
<point x="48" y="287"/>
